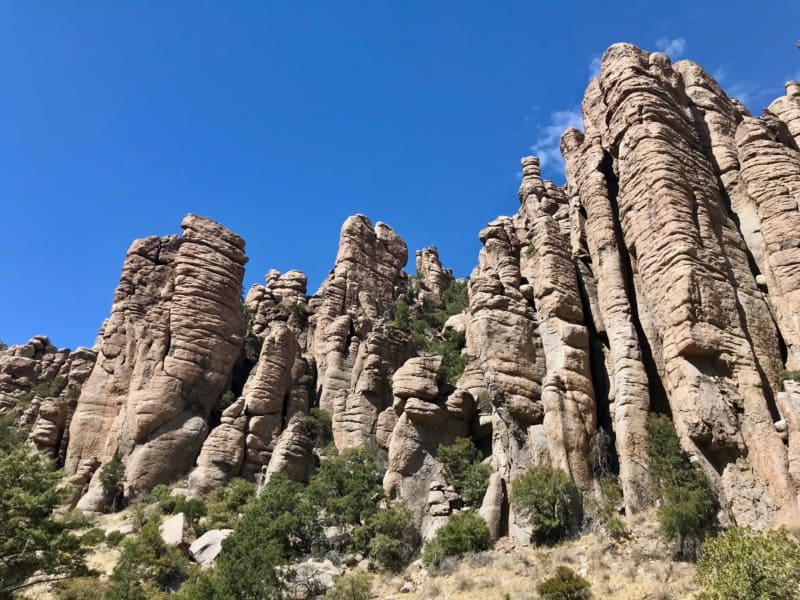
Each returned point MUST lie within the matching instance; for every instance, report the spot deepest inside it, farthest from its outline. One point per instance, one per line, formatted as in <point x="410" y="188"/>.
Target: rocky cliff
<point x="663" y="277"/>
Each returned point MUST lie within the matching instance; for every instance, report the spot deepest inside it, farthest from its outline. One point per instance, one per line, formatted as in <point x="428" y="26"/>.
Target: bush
<point x="81" y="588"/>
<point x="225" y="503"/>
<point x="564" y="585"/>
<point x="356" y="586"/>
<point x="146" y="563"/>
<point x="464" y="470"/>
<point x="319" y="427"/>
<point x="192" y="508"/>
<point x="744" y="565"/>
<point x="388" y="537"/>
<point x="464" y="532"/>
<point x="790" y="375"/>
<point x="113" y="538"/>
<point x="549" y="499"/>
<point x="484" y="402"/>
<point x="604" y="509"/>
<point x="348" y="487"/>
<point x="111" y="477"/>
<point x="31" y="540"/>
<point x="687" y="509"/>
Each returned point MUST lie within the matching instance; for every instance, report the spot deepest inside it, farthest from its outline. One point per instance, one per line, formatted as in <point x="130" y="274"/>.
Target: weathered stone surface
<point x="419" y="427"/>
<point x="222" y="454"/>
<point x="176" y="531"/>
<point x="205" y="549"/>
<point x="293" y="453"/>
<point x="495" y="506"/>
<point x="706" y="323"/>
<point x="432" y="279"/>
<point x="165" y="356"/>
<point x="355" y="348"/>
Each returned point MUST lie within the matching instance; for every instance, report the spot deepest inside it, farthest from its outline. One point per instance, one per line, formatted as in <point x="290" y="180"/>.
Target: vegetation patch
<point x="745" y="565"/>
<point x="687" y="510"/>
<point x="464" y="470"/>
<point x="463" y="533"/>
<point x="549" y="500"/>
<point x="564" y="585"/>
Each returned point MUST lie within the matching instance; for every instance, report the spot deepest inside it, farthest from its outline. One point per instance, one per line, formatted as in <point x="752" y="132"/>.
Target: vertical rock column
<point x="166" y="354"/>
<point x="629" y="395"/>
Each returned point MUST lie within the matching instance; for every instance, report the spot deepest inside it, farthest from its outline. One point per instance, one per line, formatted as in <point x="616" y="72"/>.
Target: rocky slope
<point x="663" y="277"/>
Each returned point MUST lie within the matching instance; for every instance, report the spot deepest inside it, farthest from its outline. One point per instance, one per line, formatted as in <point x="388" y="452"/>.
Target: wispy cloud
<point x="753" y="95"/>
<point x="594" y="67"/>
<point x="719" y="74"/>
<point x="674" y="48"/>
<point x="546" y="146"/>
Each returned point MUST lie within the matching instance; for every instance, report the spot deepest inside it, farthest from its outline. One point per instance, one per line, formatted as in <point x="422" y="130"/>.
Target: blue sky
<point x="280" y="119"/>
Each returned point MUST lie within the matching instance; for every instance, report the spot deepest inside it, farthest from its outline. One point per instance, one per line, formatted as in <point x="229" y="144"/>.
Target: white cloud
<point x="594" y="67"/>
<point x="546" y="146"/>
<point x="719" y="75"/>
<point x="674" y="48"/>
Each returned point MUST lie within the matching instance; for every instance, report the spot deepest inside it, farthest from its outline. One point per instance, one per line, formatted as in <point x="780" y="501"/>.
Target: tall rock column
<point x="629" y="395"/>
<point x="166" y="354"/>
<point x="355" y="348"/>
<point x="711" y="331"/>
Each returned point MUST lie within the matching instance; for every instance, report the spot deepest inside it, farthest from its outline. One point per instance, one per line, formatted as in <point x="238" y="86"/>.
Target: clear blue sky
<point x="280" y="119"/>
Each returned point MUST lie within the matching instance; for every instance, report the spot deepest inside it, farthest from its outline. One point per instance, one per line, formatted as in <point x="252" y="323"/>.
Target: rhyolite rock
<point x="164" y="357"/>
<point x="663" y="277"/>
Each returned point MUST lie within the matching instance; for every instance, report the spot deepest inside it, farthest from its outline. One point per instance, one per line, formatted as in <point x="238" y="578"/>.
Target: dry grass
<point x="634" y="569"/>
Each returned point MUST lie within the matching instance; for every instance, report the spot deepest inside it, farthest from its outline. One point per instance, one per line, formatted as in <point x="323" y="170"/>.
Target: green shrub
<point x="464" y="470"/>
<point x="744" y="565"/>
<point x="348" y="487"/>
<point x="31" y="539"/>
<point x="191" y="508"/>
<point x="146" y="563"/>
<point x="484" y="402"/>
<point x="464" y="532"/>
<point x="319" y="427"/>
<point x="49" y="389"/>
<point x="424" y="323"/>
<point x="564" y="585"/>
<point x="111" y="477"/>
<point x="604" y="510"/>
<point x="113" y="538"/>
<point x="388" y="537"/>
<point x="224" y="504"/>
<point x="356" y="586"/>
<point x="790" y="375"/>
<point x="687" y="510"/>
<point x="550" y="501"/>
<point x="81" y="588"/>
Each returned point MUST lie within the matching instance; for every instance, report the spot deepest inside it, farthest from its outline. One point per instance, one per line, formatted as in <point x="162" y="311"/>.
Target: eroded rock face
<point x="165" y="356"/>
<point x="432" y="278"/>
<point x="355" y="347"/>
<point x="667" y="150"/>
<point x="424" y="415"/>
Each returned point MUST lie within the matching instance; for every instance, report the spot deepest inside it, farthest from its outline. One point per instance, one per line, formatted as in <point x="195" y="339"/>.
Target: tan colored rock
<point x="495" y="506"/>
<point x="417" y="378"/>
<point x="787" y="109"/>
<point x="355" y="348"/>
<point x="709" y="329"/>
<point x="293" y="453"/>
<point x="432" y="279"/>
<point x="166" y="354"/>
<point x="176" y="531"/>
<point x="205" y="549"/>
<point x="222" y="454"/>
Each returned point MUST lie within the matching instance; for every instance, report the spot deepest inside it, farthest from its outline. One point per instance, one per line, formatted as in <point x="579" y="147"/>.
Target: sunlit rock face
<point x="662" y="277"/>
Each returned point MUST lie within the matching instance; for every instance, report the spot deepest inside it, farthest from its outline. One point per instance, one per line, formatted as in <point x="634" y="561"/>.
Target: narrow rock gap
<point x="598" y="342"/>
<point x="659" y="402"/>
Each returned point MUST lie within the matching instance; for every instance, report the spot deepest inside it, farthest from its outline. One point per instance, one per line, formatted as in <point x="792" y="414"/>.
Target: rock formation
<point x="662" y="277"/>
<point x="165" y="355"/>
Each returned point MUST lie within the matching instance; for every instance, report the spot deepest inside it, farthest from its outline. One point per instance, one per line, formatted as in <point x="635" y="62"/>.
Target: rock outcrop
<point x="355" y="347"/>
<point x="662" y="277"/>
<point x="165" y="355"/>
